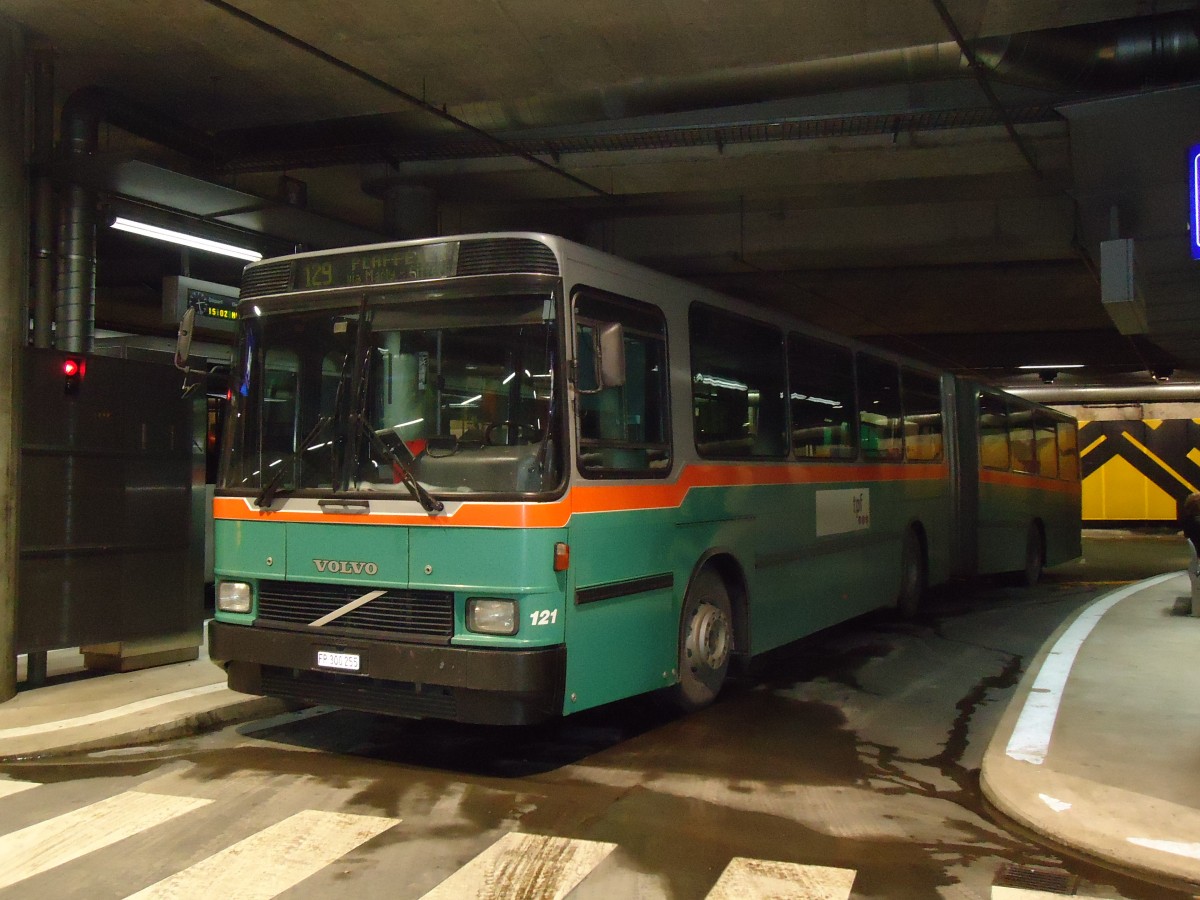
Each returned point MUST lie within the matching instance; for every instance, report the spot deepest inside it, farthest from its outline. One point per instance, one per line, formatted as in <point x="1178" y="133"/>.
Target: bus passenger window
<point x="1047" y="445"/>
<point x="623" y="430"/>
<point x="821" y="389"/>
<point x="993" y="432"/>
<point x="922" y="417"/>
<point x="1068" y="451"/>
<point x="880" y="432"/>
<point x="738" y="380"/>
<point x="1020" y="439"/>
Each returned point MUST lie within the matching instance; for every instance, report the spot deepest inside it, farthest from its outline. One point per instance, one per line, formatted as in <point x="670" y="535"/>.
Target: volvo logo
<point x="346" y="567"/>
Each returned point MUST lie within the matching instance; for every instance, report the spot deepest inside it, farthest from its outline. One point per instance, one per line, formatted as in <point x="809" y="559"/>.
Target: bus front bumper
<point x="494" y="687"/>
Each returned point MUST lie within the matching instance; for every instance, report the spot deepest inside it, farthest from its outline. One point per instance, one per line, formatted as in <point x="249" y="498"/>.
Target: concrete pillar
<point x="14" y="242"/>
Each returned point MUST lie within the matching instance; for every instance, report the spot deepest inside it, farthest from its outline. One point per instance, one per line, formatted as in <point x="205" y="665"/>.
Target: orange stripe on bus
<point x="1028" y="481"/>
<point x="479" y="515"/>
<point x="596" y="497"/>
<point x="610" y="498"/>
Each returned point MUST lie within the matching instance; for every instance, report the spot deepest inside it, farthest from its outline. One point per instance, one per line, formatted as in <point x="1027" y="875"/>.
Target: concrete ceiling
<point x="840" y="158"/>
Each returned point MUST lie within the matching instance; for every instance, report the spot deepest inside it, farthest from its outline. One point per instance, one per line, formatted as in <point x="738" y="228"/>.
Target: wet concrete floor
<point x="856" y="749"/>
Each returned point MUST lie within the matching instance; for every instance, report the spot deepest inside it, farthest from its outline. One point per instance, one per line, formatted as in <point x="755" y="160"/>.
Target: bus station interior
<point x="997" y="188"/>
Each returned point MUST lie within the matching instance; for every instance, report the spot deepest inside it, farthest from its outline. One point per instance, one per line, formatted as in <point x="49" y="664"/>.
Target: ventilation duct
<point x="75" y="306"/>
<point x="1126" y="54"/>
<point x="1109" y="56"/>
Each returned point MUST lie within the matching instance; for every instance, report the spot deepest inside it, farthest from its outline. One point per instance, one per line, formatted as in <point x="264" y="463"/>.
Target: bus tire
<point x="914" y="575"/>
<point x="1035" y="556"/>
<point x="705" y="642"/>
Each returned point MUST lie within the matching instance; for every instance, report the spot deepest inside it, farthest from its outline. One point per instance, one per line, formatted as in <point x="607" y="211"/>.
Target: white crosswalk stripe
<point x="748" y="878"/>
<point x="524" y="865"/>
<point x="282" y="855"/>
<point x="8" y="788"/>
<point x="1002" y="892"/>
<point x="46" y="845"/>
<point x="273" y="860"/>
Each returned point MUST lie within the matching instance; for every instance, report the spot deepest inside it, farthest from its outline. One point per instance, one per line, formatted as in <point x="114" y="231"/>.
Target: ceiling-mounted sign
<point x="215" y="304"/>
<point x="1194" y="198"/>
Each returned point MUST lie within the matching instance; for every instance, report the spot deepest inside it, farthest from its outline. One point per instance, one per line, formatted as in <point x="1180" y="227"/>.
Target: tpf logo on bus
<point x="843" y="511"/>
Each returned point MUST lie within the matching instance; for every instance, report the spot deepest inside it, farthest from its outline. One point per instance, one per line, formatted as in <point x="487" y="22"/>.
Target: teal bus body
<point x="629" y="537"/>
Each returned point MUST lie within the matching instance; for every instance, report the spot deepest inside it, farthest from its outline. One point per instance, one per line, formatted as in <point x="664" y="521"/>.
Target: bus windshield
<point x="397" y="395"/>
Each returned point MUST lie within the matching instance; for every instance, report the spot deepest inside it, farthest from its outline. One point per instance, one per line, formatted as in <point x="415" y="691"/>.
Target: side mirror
<point x="183" y="340"/>
<point x="610" y="355"/>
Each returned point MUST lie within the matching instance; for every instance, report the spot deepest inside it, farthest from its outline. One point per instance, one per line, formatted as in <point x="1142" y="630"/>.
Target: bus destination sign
<point x="381" y="266"/>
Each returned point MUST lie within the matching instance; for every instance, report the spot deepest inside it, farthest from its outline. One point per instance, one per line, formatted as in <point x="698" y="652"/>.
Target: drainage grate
<point x="1035" y="879"/>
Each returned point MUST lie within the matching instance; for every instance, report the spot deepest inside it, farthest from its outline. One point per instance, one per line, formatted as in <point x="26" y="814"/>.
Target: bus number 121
<point x="543" y="617"/>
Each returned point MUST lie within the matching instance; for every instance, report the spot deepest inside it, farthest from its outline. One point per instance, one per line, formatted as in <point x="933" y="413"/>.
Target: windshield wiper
<point x="428" y="502"/>
<point x="271" y="490"/>
<point x="359" y="427"/>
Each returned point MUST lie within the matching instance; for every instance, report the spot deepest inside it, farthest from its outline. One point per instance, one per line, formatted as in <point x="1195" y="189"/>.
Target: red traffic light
<point x="73" y="370"/>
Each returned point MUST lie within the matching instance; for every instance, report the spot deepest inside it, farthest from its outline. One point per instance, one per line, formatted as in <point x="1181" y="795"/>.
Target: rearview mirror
<point x="183" y="340"/>
<point x="610" y="355"/>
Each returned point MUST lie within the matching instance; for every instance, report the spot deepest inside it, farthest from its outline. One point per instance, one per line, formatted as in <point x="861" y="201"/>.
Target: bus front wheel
<point x="705" y="642"/>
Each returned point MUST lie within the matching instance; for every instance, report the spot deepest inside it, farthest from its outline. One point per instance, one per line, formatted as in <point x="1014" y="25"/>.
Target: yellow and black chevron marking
<point x="1138" y="471"/>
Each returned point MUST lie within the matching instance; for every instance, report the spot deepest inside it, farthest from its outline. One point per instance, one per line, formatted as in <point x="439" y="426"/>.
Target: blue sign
<point x="1194" y="199"/>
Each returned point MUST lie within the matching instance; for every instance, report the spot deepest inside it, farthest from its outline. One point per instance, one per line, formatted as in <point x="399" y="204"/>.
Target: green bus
<point x="499" y="478"/>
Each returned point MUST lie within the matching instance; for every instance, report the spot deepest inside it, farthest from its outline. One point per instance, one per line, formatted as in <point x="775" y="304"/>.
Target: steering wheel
<point x="526" y="433"/>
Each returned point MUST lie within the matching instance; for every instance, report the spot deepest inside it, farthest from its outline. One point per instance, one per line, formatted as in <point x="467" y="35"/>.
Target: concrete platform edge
<point x="1065" y="808"/>
<point x="169" y="722"/>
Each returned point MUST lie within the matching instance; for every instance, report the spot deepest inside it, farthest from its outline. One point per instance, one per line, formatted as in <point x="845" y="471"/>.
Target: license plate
<point x="349" y="662"/>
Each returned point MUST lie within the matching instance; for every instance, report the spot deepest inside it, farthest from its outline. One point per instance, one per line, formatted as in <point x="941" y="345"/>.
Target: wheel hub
<point x="709" y="637"/>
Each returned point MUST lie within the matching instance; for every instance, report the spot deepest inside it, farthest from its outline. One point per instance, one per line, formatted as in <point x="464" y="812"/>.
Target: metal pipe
<point x="76" y="290"/>
<point x="75" y="313"/>
<point x="43" y="197"/>
<point x="1125" y="54"/>
<point x="1148" y="393"/>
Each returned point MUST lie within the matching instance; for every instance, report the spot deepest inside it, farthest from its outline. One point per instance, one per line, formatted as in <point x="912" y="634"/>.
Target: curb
<point x="197" y="715"/>
<point x="1088" y="818"/>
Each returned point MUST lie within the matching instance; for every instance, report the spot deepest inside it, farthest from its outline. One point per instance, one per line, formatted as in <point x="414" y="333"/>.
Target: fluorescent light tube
<point x="186" y="240"/>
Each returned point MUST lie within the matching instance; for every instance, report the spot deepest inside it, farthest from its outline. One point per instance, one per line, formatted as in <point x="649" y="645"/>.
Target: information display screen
<point x="215" y="304"/>
<point x="211" y="306"/>
<point x="1194" y="199"/>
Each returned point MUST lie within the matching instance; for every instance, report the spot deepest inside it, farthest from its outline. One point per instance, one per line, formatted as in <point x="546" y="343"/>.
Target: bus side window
<point x="922" y="417"/>
<point x="993" y="432"/>
<point x="821" y="388"/>
<point x="881" y="431"/>
<point x="1047" y="445"/>
<point x="1068" y="451"/>
<point x="622" y="430"/>
<point x="738" y="383"/>
<point x="1020" y="439"/>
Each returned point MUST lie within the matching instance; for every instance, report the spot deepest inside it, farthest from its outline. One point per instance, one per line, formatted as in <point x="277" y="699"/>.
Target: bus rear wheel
<point x="1035" y="556"/>
<point x="914" y="576"/>
<point x="705" y="642"/>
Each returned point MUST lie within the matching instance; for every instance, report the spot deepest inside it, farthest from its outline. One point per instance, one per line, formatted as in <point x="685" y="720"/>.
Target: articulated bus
<point x="499" y="478"/>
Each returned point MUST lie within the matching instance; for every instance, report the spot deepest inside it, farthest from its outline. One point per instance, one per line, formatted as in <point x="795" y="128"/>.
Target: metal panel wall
<point x="109" y="549"/>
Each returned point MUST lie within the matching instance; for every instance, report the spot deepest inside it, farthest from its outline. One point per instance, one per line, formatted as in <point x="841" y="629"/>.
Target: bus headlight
<point x="487" y="616"/>
<point x="233" y="597"/>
